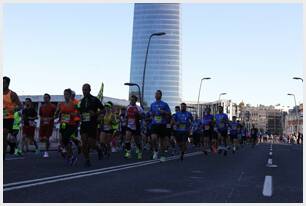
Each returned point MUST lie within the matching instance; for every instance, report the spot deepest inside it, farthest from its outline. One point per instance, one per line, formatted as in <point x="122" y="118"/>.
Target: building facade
<point x="163" y="68"/>
<point x="294" y="122"/>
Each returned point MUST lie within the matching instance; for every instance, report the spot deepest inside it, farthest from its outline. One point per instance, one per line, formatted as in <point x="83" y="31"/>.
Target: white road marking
<point x="269" y="161"/>
<point x="267" y="187"/>
<point x="15" y="158"/>
<point x="270" y="153"/>
<point x="59" y="178"/>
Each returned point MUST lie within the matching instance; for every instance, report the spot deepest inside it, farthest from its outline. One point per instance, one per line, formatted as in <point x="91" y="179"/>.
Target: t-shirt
<point x="207" y="122"/>
<point x="133" y="114"/>
<point x="47" y="111"/>
<point x="67" y="113"/>
<point x="183" y="121"/>
<point x="157" y="117"/>
<point x="28" y="116"/>
<point x="234" y="128"/>
<point x="87" y="104"/>
<point x="221" y="121"/>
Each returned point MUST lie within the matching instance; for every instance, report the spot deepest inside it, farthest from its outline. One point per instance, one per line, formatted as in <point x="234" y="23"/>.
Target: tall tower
<point x="163" y="70"/>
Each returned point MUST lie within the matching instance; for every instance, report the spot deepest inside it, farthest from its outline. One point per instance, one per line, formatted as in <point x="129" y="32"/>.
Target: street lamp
<point x="296" y="112"/>
<point x="298" y="78"/>
<point x="221" y="95"/>
<point x="145" y="64"/>
<point x="204" y="78"/>
<point x="134" y="84"/>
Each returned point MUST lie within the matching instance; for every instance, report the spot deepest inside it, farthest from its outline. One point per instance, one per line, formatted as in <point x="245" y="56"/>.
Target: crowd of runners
<point x="102" y="128"/>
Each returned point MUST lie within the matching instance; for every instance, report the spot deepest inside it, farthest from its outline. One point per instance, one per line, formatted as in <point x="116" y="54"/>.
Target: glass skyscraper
<point x="163" y="69"/>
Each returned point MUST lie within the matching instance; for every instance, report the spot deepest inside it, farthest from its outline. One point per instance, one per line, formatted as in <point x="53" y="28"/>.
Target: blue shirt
<point x="234" y="128"/>
<point x="157" y="117"/>
<point x="207" y="121"/>
<point x="196" y="126"/>
<point x="182" y="120"/>
<point x="221" y="121"/>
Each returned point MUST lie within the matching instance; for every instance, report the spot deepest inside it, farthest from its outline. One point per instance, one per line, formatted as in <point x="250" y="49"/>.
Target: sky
<point x="251" y="51"/>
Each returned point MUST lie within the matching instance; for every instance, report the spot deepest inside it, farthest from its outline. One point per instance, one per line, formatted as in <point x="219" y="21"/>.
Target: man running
<point x="172" y="136"/>
<point x="134" y="115"/>
<point x="196" y="131"/>
<point x="122" y="126"/>
<point x="254" y="135"/>
<point x="77" y="120"/>
<point x="89" y="107"/>
<point x="16" y="129"/>
<point x="29" y="115"/>
<point x="11" y="103"/>
<point x="159" y="111"/>
<point x="208" y="122"/>
<point x="182" y="121"/>
<point x="234" y="126"/>
<point x="46" y="113"/>
<point x="222" y="129"/>
<point x="66" y="112"/>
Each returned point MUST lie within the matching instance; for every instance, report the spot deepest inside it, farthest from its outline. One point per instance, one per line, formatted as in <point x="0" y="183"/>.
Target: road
<point x="214" y="178"/>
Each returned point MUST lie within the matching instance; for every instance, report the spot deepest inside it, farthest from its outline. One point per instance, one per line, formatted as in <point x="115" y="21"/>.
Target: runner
<point x="234" y="133"/>
<point x="13" y="137"/>
<point x="108" y="119"/>
<point x="46" y="113"/>
<point x="116" y="133"/>
<point x="29" y="115"/>
<point x="222" y="130"/>
<point x="11" y="104"/>
<point x="133" y="117"/>
<point x="172" y="136"/>
<point x="159" y="111"/>
<point x="182" y="121"/>
<point x="196" y="131"/>
<point x="89" y="107"/>
<point x="254" y="135"/>
<point x="77" y="120"/>
<point x="207" y="140"/>
<point x="66" y="112"/>
<point x="122" y="126"/>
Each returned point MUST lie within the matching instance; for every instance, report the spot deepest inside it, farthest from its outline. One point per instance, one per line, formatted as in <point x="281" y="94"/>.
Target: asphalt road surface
<point x="266" y="173"/>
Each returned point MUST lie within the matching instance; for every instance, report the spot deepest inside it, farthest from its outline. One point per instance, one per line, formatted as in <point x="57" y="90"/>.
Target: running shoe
<point x="127" y="154"/>
<point x="139" y="156"/>
<point x="162" y="159"/>
<point x="46" y="155"/>
<point x="74" y="160"/>
<point x="155" y="156"/>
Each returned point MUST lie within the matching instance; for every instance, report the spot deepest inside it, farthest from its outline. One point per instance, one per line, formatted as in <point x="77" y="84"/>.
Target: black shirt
<point x="28" y="116"/>
<point x="89" y="104"/>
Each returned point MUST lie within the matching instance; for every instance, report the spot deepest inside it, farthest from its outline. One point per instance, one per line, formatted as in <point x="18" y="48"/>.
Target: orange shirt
<point x="67" y="113"/>
<point x="8" y="106"/>
<point x="47" y="111"/>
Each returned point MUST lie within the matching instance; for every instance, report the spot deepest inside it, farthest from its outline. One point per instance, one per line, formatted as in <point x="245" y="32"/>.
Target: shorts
<point x="159" y="129"/>
<point x="196" y="137"/>
<point x="89" y="130"/>
<point x="233" y="136"/>
<point x="133" y="131"/>
<point x="28" y="131"/>
<point x="181" y="136"/>
<point x="67" y="133"/>
<point x="45" y="131"/>
<point x="15" y="132"/>
<point x="8" y="124"/>
<point x="208" y="134"/>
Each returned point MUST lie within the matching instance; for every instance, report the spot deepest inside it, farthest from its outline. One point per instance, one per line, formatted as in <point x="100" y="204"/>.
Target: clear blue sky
<point x="251" y="51"/>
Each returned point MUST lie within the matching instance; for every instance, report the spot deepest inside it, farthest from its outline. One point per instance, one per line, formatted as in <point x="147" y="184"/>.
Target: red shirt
<point x="46" y="113"/>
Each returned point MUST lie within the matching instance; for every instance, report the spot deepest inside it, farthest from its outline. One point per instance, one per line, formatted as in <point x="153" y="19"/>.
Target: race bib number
<point x="107" y="127"/>
<point x="66" y="118"/>
<point x="158" y="119"/>
<point x="168" y="126"/>
<point x="85" y="117"/>
<point x="132" y="123"/>
<point x="182" y="126"/>
<point x="206" y="127"/>
<point x="45" y="121"/>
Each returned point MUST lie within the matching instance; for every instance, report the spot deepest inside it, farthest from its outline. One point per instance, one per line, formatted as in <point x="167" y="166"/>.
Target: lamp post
<point x="140" y="98"/>
<point x="298" y="78"/>
<point x="296" y="112"/>
<point x="204" y="78"/>
<point x="221" y="95"/>
<point x="145" y="64"/>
